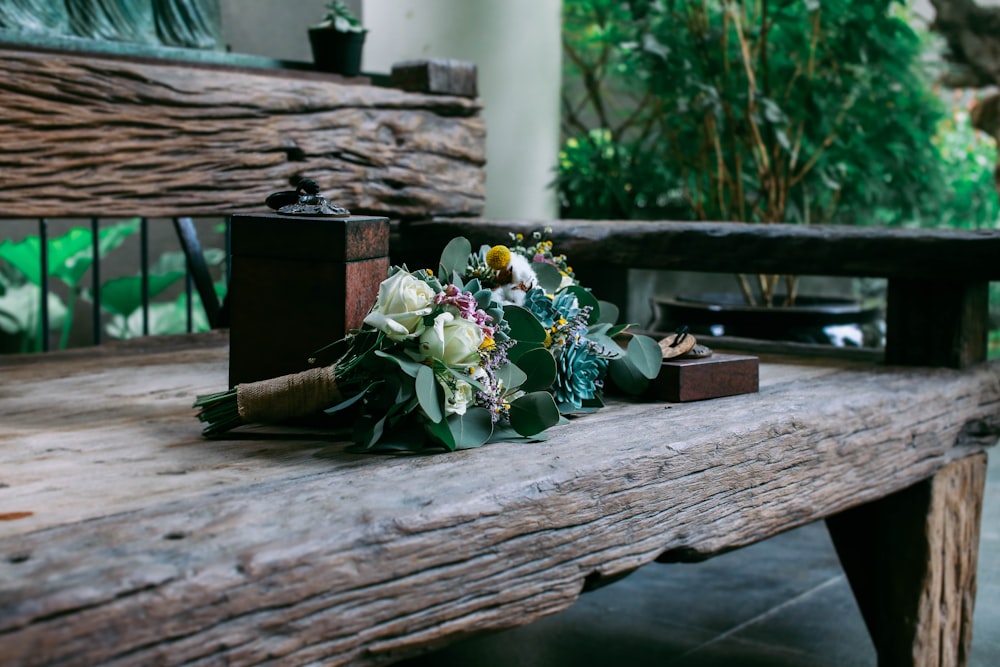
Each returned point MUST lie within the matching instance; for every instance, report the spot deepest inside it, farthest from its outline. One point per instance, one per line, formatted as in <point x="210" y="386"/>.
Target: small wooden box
<point x="299" y="283"/>
<point x="719" y="375"/>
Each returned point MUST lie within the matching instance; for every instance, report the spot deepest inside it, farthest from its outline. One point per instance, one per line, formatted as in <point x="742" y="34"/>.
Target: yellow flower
<point x="548" y="339"/>
<point x="488" y="343"/>
<point x="498" y="257"/>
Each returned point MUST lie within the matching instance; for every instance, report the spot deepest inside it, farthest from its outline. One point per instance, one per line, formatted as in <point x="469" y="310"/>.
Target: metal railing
<point x="197" y="278"/>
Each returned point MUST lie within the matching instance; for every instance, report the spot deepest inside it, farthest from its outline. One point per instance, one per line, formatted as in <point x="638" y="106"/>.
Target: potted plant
<point x="751" y="111"/>
<point x="338" y="40"/>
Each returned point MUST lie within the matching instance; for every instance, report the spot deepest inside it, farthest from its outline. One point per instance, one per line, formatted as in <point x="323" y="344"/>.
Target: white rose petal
<point x="403" y="302"/>
<point x="452" y="340"/>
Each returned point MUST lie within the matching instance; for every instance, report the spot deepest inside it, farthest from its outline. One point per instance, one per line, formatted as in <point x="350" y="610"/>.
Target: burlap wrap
<point x="287" y="397"/>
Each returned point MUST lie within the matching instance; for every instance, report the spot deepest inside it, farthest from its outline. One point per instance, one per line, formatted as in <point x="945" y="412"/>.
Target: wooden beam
<point x="90" y="135"/>
<point x="911" y="560"/>
<point x="937" y="322"/>
<point x="728" y="247"/>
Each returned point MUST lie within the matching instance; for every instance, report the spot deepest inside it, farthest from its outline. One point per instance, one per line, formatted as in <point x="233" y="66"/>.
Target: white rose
<point x="452" y="340"/>
<point x="457" y="399"/>
<point x="403" y="301"/>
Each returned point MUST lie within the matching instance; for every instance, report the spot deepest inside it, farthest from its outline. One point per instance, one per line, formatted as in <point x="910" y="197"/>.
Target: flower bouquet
<point x="500" y="344"/>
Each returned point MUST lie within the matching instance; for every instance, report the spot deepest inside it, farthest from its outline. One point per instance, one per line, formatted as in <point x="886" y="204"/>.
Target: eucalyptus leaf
<point x="533" y="413"/>
<point x="626" y="376"/>
<point x="473" y="429"/>
<point x="408" y="366"/>
<point x="586" y="298"/>
<point x="540" y="369"/>
<point x="524" y="326"/>
<point x="428" y="394"/>
<point x="454" y="257"/>
<point x="548" y="275"/>
<point x="646" y="355"/>
<point x="440" y="433"/>
<point x="609" y="312"/>
<point x="511" y="376"/>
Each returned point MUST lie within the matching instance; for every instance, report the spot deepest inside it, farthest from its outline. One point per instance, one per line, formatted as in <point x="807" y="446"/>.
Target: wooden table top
<point x="124" y="535"/>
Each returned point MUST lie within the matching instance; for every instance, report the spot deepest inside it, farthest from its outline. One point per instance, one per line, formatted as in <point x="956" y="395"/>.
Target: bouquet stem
<point x="268" y="401"/>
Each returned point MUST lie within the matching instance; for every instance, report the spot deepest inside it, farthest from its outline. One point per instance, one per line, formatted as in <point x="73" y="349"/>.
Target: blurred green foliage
<point x="762" y="111"/>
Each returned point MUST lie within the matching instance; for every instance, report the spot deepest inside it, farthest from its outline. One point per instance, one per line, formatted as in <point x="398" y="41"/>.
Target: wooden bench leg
<point x="911" y="561"/>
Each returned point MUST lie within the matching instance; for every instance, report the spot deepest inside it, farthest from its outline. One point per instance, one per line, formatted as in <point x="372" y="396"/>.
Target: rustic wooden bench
<point x="128" y="538"/>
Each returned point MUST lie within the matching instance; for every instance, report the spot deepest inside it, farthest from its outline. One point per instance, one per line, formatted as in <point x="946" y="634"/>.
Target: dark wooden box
<point x="297" y="284"/>
<point x="682" y="380"/>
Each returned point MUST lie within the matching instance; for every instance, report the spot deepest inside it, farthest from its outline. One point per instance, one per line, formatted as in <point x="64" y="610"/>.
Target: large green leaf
<point x="549" y="277"/>
<point x="408" y="366"/>
<point x="540" y="369"/>
<point x="533" y="413"/>
<point x="524" y="327"/>
<point x="511" y="376"/>
<point x="586" y="298"/>
<point x="454" y="258"/>
<point x="472" y="429"/>
<point x="122" y="296"/>
<point x="428" y="394"/>
<point x="646" y="355"/>
<point x="440" y="433"/>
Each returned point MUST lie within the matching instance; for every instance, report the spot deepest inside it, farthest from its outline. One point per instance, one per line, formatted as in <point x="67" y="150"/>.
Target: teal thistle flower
<point x="579" y="374"/>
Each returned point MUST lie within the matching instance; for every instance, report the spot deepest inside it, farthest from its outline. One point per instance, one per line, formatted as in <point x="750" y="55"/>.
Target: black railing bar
<point x="95" y="275"/>
<point x="189" y="302"/>
<point x="43" y="245"/>
<point x="188" y="236"/>
<point x="229" y="250"/>
<point x="144" y="272"/>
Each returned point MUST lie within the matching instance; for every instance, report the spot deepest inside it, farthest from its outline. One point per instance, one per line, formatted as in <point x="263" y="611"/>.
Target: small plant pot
<point x="728" y="315"/>
<point x="337" y="52"/>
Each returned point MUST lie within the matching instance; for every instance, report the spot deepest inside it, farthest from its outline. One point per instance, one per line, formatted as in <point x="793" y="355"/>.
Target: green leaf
<point x="122" y="296"/>
<point x="626" y="376"/>
<point x="524" y="327"/>
<point x="533" y="413"/>
<point x="549" y="277"/>
<point x="473" y="429"/>
<point x="454" y="258"/>
<point x="586" y="298"/>
<point x="428" y="394"/>
<point x="24" y="256"/>
<point x="343" y="405"/>
<point x="646" y="355"/>
<point x="512" y="377"/>
<point x="609" y="312"/>
<point x="440" y="433"/>
<point x="408" y="366"/>
<point x="520" y="349"/>
<point x="540" y="369"/>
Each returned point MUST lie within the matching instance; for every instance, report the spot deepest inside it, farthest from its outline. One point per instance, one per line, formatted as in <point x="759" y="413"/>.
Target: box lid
<point x="312" y="238"/>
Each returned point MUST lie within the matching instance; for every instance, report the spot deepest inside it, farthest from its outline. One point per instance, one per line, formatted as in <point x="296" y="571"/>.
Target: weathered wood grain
<point x="911" y="559"/>
<point x="148" y="545"/>
<point x="823" y="250"/>
<point x="97" y="135"/>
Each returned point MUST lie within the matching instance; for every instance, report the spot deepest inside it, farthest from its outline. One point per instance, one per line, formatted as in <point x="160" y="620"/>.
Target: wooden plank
<point x="911" y="560"/>
<point x="937" y="322"/>
<point x="102" y="136"/>
<point x="729" y="247"/>
<point x="280" y="545"/>
<point x="437" y="75"/>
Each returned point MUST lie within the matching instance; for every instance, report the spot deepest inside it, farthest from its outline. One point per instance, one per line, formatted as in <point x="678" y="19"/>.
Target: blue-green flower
<point x="579" y="374"/>
<point x="552" y="310"/>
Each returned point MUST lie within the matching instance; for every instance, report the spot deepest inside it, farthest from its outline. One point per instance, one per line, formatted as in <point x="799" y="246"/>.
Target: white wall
<point x="516" y="47"/>
<point x="514" y="43"/>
